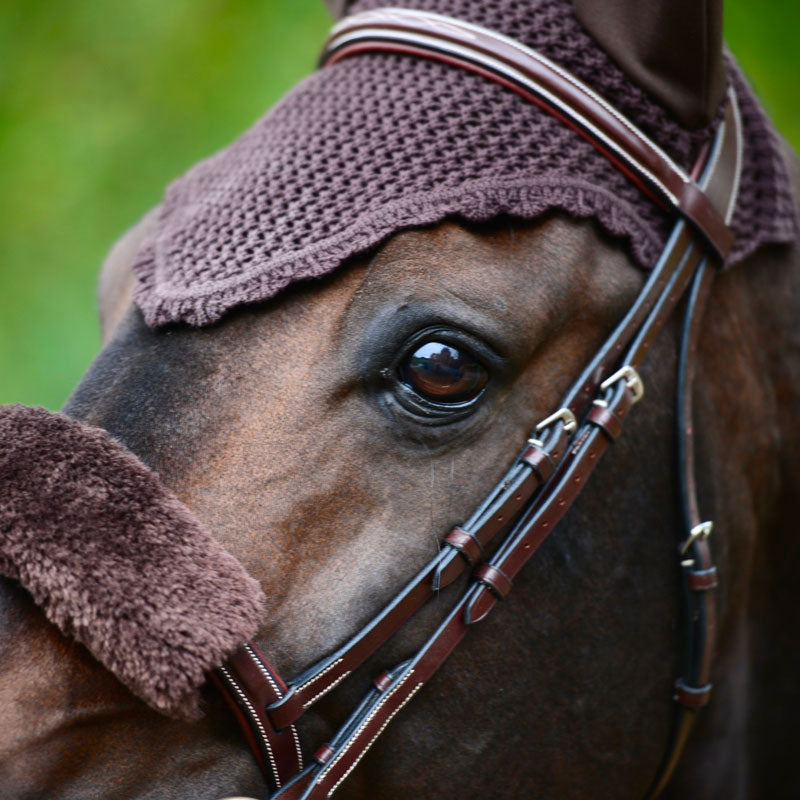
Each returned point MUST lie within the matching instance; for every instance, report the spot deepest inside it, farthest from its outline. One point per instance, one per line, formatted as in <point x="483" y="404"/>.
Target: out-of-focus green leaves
<point x="101" y="104"/>
<point x="764" y="38"/>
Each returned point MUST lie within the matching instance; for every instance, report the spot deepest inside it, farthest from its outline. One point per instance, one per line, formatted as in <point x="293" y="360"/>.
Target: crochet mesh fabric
<point x="379" y="143"/>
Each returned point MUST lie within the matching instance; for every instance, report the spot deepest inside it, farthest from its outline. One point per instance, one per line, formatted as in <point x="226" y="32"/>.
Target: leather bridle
<point x="549" y="473"/>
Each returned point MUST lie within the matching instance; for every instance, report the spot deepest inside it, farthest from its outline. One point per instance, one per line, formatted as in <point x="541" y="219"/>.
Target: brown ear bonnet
<point x="379" y="143"/>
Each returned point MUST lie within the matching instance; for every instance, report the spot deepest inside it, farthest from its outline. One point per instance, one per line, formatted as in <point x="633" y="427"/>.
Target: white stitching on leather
<point x="361" y="727"/>
<point x="326" y="689"/>
<point x="254" y="717"/>
<point x="297" y="745"/>
<point x="372" y="740"/>
<point x="319" y="675"/>
<point x="263" y="670"/>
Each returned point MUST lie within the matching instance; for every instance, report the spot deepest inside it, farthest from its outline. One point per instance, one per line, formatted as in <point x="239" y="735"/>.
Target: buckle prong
<point x="632" y="379"/>
<point x="701" y="531"/>
<point x="564" y="415"/>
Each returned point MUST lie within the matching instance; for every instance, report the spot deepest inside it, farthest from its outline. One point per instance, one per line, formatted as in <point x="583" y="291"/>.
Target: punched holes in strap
<point x="466" y="544"/>
<point x="702" y="580"/>
<point x="493" y="578"/>
<point x="691" y="696"/>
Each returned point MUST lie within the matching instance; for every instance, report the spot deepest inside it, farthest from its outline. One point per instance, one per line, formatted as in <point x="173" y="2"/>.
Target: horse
<point x="280" y="429"/>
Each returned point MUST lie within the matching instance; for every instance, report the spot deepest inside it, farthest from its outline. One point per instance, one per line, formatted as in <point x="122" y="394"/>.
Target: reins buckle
<point x="632" y="379"/>
<point x="701" y="531"/>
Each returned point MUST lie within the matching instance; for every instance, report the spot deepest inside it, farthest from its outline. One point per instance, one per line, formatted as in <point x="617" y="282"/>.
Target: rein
<point x="549" y="473"/>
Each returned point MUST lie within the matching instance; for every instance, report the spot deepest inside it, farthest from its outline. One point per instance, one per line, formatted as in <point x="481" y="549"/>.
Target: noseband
<point x="550" y="471"/>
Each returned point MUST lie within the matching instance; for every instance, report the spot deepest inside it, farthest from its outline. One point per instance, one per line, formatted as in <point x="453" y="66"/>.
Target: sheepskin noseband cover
<point x="379" y="143"/>
<point x="116" y="560"/>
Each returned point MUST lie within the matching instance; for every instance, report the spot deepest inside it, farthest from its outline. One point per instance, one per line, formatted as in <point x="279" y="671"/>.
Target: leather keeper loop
<point x="323" y="754"/>
<point x="690" y="696"/>
<point x="466" y="544"/>
<point x="541" y="463"/>
<point x="493" y="578"/>
<point x="383" y="681"/>
<point x="702" y="580"/>
<point x="607" y="421"/>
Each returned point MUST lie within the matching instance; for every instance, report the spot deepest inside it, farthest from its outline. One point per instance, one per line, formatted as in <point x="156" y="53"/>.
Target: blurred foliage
<point x="101" y="104"/>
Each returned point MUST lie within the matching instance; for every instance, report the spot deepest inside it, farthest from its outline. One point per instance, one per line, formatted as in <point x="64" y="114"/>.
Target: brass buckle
<point x="632" y="379"/>
<point x="562" y="415"/>
<point x="701" y="531"/>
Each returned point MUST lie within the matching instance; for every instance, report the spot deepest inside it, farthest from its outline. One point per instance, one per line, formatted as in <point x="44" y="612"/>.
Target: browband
<point x="549" y="472"/>
<point x="540" y="81"/>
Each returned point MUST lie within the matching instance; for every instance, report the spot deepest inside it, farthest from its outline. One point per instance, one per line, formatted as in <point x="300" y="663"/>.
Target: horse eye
<point x="443" y="374"/>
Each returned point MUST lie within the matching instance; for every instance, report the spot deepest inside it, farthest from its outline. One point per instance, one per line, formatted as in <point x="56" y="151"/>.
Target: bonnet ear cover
<point x="116" y="561"/>
<point x="338" y="7"/>
<point x="671" y="48"/>
<point x="378" y="143"/>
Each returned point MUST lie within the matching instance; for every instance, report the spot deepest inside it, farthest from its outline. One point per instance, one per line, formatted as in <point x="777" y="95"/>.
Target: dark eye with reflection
<point x="442" y="373"/>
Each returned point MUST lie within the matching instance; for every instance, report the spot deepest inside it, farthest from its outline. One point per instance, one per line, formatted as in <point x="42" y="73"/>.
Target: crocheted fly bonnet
<point x="381" y="142"/>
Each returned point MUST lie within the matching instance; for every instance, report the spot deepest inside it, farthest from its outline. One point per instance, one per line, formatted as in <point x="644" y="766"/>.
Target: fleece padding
<point x="116" y="560"/>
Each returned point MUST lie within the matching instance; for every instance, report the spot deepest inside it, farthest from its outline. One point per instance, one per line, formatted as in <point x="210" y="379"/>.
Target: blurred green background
<point x="101" y="104"/>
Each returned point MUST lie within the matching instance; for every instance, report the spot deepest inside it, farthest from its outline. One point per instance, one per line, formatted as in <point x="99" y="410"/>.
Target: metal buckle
<point x="701" y="531"/>
<point x="631" y="377"/>
<point x="564" y="415"/>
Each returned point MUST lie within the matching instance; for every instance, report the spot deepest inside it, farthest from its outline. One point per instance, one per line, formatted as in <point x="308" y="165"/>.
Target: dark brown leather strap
<point x="601" y="396"/>
<point x="693" y="690"/>
<point x="541" y="82"/>
<point x="699" y="574"/>
<point x="250" y="684"/>
<point x="464" y="548"/>
<point x="377" y="711"/>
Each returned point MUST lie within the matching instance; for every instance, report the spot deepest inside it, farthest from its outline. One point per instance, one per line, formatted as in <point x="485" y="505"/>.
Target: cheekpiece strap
<point x="549" y="474"/>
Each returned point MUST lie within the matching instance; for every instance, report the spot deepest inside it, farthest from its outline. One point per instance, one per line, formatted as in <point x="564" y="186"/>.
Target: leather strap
<point x="494" y="515"/>
<point x="699" y="575"/>
<point x="249" y="683"/>
<point x="600" y="397"/>
<point x="541" y="82"/>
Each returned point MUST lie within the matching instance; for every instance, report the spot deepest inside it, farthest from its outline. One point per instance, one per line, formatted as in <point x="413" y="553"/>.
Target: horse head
<point x="329" y="437"/>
